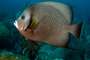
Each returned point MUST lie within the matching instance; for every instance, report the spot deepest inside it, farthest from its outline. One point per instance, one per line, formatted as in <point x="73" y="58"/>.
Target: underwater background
<point x="14" y="46"/>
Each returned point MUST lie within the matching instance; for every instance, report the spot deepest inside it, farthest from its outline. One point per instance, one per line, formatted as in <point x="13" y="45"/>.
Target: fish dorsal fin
<point x="63" y="8"/>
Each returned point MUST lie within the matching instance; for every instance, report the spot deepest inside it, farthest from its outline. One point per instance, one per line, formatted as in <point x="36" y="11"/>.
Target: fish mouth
<point x="25" y="27"/>
<point x="15" y="23"/>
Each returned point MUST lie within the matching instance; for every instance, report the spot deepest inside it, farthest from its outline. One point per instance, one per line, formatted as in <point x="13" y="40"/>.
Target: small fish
<point x="48" y="22"/>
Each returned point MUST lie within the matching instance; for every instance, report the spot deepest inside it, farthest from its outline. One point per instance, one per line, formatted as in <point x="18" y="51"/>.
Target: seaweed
<point x="31" y="50"/>
<point x="27" y="4"/>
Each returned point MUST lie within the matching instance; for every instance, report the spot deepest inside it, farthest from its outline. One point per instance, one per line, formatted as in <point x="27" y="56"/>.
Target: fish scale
<point x="44" y="10"/>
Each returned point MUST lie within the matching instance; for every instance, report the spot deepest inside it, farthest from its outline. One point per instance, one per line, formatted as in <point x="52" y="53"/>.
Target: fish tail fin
<point x="76" y="29"/>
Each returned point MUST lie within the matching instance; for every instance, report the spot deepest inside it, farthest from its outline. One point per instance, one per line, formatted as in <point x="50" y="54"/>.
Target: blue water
<point x="13" y="6"/>
<point x="81" y="9"/>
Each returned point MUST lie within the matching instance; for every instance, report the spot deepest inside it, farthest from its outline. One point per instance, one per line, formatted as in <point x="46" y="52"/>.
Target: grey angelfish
<point x="48" y="22"/>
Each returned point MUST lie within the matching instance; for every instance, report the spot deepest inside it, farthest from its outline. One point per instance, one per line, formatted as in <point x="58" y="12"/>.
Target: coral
<point x="4" y="30"/>
<point x="12" y="57"/>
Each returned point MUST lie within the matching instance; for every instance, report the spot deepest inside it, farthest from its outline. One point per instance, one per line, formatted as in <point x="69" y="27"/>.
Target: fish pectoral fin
<point x="33" y="24"/>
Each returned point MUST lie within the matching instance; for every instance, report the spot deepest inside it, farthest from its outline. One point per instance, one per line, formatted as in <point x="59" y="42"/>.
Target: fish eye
<point x="22" y="17"/>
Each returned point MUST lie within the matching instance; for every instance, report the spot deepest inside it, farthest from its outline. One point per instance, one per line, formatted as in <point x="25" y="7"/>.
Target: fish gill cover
<point x="11" y="42"/>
